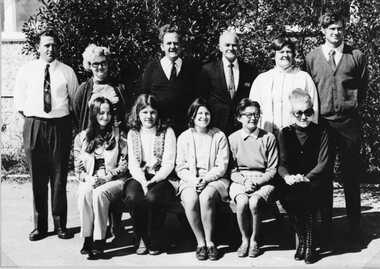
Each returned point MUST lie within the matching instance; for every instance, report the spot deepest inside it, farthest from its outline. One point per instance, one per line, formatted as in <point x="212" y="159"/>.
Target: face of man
<point x="334" y="34"/>
<point x="48" y="49"/>
<point x="229" y="46"/>
<point x="171" y="46"/>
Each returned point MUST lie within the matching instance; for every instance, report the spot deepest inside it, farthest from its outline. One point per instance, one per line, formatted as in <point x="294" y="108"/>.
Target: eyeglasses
<point x="96" y="65"/>
<point x="250" y="115"/>
<point x="308" y="113"/>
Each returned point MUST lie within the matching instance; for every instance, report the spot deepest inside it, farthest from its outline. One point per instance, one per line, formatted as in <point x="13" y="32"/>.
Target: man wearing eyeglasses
<point x="341" y="77"/>
<point x="43" y="91"/>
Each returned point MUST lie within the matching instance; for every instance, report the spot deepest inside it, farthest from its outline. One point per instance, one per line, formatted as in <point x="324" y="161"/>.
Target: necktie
<point x="332" y="60"/>
<point x="231" y="84"/>
<point x="47" y="90"/>
<point x="173" y="72"/>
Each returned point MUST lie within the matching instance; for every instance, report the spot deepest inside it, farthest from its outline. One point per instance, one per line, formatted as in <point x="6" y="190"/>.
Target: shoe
<point x="87" y="246"/>
<point x="153" y="248"/>
<point x="243" y="250"/>
<point x="310" y="254"/>
<point x="201" y="253"/>
<point x="212" y="253"/>
<point x="142" y="249"/>
<point x="98" y="247"/>
<point x="62" y="233"/>
<point x="254" y="251"/>
<point x="36" y="235"/>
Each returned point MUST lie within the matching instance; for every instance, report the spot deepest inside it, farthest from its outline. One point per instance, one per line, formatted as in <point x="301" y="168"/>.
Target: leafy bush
<point x="130" y="29"/>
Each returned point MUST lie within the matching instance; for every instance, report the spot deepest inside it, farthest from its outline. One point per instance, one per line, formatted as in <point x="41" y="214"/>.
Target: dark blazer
<point x="213" y="87"/>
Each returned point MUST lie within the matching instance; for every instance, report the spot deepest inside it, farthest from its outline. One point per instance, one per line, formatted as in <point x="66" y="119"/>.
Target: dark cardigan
<point x="83" y="95"/>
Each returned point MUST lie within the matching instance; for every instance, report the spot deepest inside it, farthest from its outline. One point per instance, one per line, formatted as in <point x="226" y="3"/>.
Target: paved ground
<point x="17" y="250"/>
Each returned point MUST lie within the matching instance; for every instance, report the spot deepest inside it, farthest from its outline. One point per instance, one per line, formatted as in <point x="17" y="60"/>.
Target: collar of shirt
<point x="43" y="64"/>
<point x="226" y="64"/>
<point x="338" y="51"/>
<point x="280" y="70"/>
<point x="235" y="69"/>
<point x="167" y="65"/>
<point x="245" y="135"/>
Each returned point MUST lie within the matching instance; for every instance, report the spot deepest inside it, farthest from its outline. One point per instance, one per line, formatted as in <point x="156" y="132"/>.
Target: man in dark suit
<point x="172" y="80"/>
<point x="224" y="83"/>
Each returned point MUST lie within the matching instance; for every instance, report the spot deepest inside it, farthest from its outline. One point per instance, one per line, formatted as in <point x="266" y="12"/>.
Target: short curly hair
<point x="91" y="51"/>
<point x="330" y="18"/>
<point x="168" y="28"/>
<point x="280" y="42"/>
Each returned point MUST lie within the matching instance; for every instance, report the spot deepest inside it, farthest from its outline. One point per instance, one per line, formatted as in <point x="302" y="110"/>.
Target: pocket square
<point x="247" y="84"/>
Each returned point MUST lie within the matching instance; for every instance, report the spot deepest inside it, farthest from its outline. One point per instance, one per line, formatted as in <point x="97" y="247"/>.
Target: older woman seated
<point x="305" y="165"/>
<point x="101" y="166"/>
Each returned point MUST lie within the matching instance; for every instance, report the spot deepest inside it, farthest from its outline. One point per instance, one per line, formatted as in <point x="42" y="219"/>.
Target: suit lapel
<point x="222" y="77"/>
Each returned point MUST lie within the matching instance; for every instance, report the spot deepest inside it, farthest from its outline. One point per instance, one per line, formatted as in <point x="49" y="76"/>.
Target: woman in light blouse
<point x="96" y="59"/>
<point x="271" y="89"/>
<point x="151" y="158"/>
<point x="100" y="165"/>
<point x="253" y="168"/>
<point x="202" y="160"/>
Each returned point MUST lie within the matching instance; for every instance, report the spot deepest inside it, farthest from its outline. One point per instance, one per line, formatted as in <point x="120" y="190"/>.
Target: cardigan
<point x="83" y="96"/>
<point x="313" y="159"/>
<point x="186" y="163"/>
<point x="271" y="90"/>
<point x="114" y="160"/>
<point x="255" y="153"/>
<point x="340" y="91"/>
<point x="174" y="97"/>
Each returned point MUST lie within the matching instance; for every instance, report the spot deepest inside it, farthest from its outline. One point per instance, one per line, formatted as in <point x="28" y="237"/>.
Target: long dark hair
<point x="143" y="101"/>
<point x="95" y="136"/>
<point x="193" y="110"/>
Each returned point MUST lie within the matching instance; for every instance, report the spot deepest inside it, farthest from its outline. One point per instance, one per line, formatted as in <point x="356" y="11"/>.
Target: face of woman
<point x="104" y="115"/>
<point x="284" y="57"/>
<point x="303" y="113"/>
<point x="249" y="118"/>
<point x="99" y="68"/>
<point x="148" y="117"/>
<point x="202" y="119"/>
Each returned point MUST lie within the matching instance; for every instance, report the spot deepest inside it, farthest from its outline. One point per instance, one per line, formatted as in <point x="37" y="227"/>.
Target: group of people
<point x="202" y="135"/>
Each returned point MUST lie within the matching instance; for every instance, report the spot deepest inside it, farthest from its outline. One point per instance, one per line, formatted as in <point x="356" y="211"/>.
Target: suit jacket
<point x="213" y="87"/>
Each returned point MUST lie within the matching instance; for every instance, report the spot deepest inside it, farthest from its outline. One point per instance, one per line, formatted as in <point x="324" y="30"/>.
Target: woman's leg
<point x="101" y="199"/>
<point x="86" y="213"/>
<point x="255" y="205"/>
<point x="135" y="198"/>
<point x="243" y="217"/>
<point x="190" y="200"/>
<point x="208" y="199"/>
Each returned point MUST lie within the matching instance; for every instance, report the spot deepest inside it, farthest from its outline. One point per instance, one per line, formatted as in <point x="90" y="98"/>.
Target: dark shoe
<point x="36" y="235"/>
<point x="243" y="250"/>
<point x="212" y="253"/>
<point x="201" y="253"/>
<point x="153" y="248"/>
<point x="98" y="247"/>
<point x="62" y="233"/>
<point x="87" y="246"/>
<point x="142" y="249"/>
<point x="254" y="251"/>
<point x="299" y="228"/>
<point x="310" y="255"/>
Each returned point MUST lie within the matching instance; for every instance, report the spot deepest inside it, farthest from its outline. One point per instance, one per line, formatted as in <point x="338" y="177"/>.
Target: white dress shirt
<point x="167" y="66"/>
<point x="326" y="48"/>
<point x="28" y="94"/>
<point x="235" y="70"/>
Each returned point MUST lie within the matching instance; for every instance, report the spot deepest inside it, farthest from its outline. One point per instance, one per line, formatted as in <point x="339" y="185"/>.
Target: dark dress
<point x="304" y="151"/>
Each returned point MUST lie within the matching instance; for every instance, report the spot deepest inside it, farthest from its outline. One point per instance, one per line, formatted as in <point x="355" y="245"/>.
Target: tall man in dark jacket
<point x="171" y="79"/>
<point x="224" y="83"/>
<point x="340" y="75"/>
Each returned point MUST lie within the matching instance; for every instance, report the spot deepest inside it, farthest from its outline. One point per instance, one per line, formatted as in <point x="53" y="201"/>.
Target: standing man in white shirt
<point x="225" y="82"/>
<point x="340" y="74"/>
<point x="44" y="89"/>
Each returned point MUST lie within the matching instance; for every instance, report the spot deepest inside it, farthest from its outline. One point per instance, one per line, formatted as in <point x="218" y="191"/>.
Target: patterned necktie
<point x="173" y="72"/>
<point x="231" y="84"/>
<point x="332" y="60"/>
<point x="47" y="90"/>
